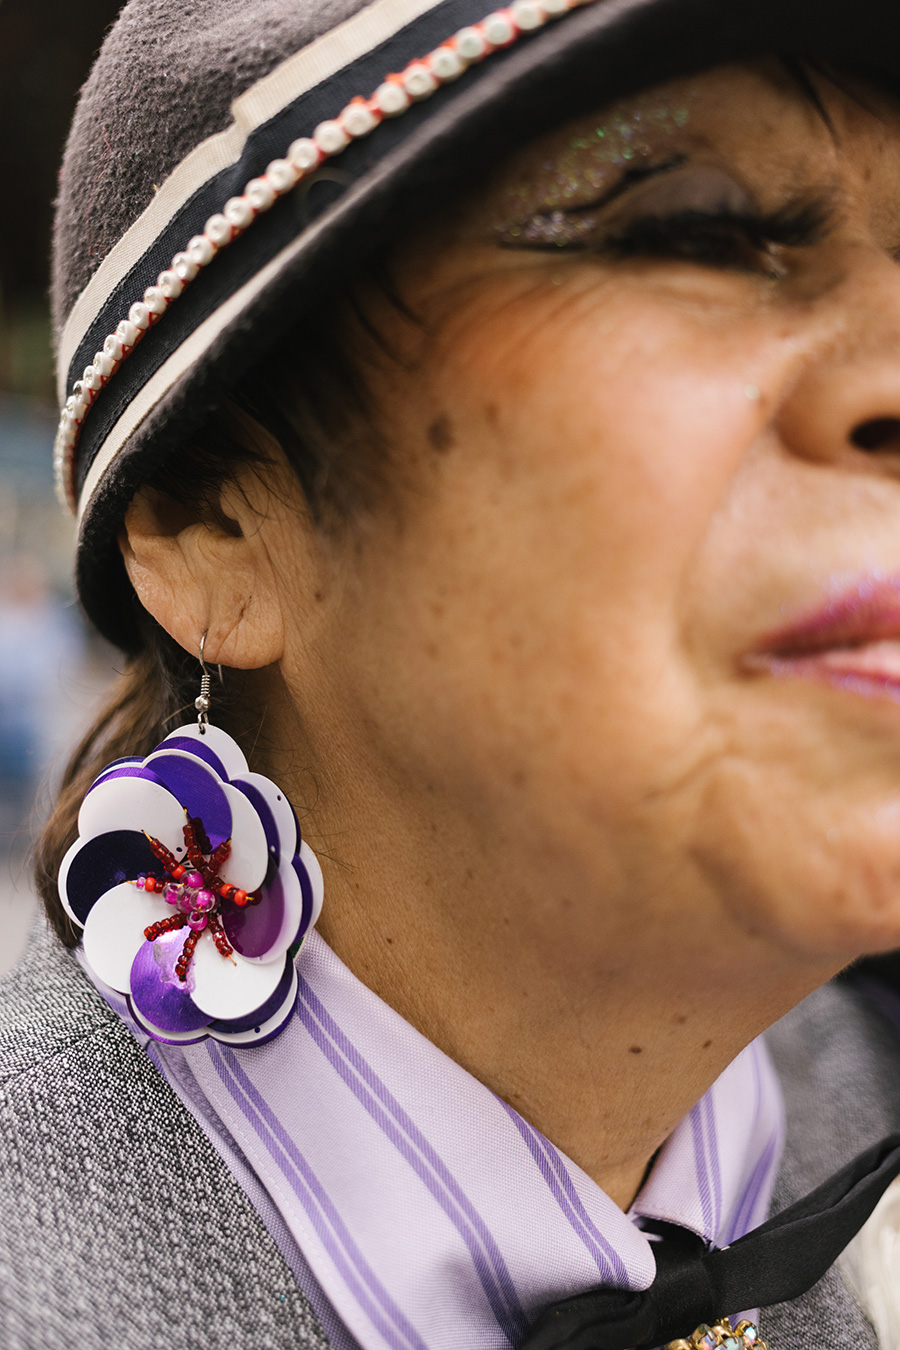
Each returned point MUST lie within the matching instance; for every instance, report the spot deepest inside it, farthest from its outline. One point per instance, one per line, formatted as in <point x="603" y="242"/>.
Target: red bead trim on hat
<point x="418" y="81"/>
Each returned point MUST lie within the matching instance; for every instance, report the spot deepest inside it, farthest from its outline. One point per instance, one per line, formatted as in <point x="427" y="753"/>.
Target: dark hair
<point x="322" y="425"/>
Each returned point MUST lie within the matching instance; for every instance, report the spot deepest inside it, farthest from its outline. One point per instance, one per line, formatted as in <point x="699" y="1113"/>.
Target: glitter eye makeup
<point x="688" y="211"/>
<point x="629" y="139"/>
<point x="654" y="179"/>
<point x="575" y="226"/>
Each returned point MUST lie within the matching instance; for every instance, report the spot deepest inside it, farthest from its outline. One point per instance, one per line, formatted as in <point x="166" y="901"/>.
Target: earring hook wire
<point x="202" y="701"/>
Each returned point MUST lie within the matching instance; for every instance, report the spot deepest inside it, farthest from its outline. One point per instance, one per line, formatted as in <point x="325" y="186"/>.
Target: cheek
<point x="590" y="464"/>
<point x="545" y="568"/>
<point x="611" y="435"/>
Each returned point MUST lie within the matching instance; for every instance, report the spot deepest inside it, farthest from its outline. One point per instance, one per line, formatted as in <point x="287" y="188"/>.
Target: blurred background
<point x="52" y="669"/>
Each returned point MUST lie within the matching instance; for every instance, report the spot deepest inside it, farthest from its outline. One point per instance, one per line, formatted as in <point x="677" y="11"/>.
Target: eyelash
<point x="721" y="238"/>
<point x="728" y="240"/>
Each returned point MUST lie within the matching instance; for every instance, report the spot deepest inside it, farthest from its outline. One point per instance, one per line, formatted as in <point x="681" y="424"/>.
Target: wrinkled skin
<point x="578" y="825"/>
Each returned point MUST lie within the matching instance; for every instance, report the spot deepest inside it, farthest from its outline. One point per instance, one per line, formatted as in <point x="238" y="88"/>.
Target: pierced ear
<point x="197" y="574"/>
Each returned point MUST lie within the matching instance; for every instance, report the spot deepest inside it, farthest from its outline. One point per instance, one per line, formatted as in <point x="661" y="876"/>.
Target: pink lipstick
<point x="853" y="641"/>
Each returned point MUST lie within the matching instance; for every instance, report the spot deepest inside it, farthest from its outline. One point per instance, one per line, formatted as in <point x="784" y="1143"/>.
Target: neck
<point x="597" y="1011"/>
<point x="603" y="1056"/>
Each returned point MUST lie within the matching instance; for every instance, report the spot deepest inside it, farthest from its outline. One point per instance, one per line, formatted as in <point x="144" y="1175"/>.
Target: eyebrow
<point x="800" y="70"/>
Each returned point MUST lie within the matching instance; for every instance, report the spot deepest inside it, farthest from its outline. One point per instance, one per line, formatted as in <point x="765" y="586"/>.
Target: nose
<point x="844" y="408"/>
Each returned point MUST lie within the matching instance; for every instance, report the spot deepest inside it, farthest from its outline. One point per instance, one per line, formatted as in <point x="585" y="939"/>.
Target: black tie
<point x="780" y="1260"/>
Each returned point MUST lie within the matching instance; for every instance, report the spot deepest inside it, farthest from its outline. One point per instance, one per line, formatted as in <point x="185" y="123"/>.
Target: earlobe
<point x="194" y="576"/>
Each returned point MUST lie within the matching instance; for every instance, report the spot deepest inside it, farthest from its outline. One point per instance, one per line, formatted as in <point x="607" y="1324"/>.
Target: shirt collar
<point x="430" y="1213"/>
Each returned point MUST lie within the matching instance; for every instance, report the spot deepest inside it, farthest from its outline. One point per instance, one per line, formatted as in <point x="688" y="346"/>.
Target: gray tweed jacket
<point x="122" y="1229"/>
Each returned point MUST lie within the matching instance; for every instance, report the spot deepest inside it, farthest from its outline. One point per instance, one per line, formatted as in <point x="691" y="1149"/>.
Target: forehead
<point x="781" y="121"/>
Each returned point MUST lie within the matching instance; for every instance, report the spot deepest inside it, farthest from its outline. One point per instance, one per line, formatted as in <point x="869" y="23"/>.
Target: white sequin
<point x="282" y="175"/>
<point x="330" y="137"/>
<point x="127" y="333"/>
<point x="418" y="81"/>
<point x="304" y="154"/>
<point x="201" y="250"/>
<point x="391" y="98"/>
<point x="219" y="230"/>
<point x="358" y="120"/>
<point x="528" y="14"/>
<point x="170" y="284"/>
<point x="238" y="212"/>
<point x="470" y="44"/>
<point x="139" y="315"/>
<point x="260" y="194"/>
<point x="184" y="267"/>
<point x="498" y="30"/>
<point x="445" y="64"/>
<point x="155" y="300"/>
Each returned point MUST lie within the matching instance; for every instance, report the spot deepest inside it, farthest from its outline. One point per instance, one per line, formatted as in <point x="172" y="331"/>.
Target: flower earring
<point x="193" y="887"/>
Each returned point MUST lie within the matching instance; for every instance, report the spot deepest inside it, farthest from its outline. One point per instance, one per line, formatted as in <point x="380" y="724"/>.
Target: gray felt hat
<point x="183" y="245"/>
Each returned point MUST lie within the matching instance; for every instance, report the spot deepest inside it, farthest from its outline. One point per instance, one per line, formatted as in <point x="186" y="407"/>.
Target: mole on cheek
<point x="441" y="434"/>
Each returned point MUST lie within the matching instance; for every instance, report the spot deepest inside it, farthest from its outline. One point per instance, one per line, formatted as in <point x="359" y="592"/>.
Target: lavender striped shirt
<point x="420" y="1212"/>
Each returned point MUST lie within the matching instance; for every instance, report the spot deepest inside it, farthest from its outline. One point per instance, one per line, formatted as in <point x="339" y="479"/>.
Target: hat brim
<point x="594" y="56"/>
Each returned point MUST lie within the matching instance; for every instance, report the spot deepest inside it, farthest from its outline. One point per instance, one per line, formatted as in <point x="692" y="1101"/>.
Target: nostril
<point x="879" y="433"/>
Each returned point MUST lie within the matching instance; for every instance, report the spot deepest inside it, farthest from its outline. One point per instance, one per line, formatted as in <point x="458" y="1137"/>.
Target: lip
<point x="852" y="641"/>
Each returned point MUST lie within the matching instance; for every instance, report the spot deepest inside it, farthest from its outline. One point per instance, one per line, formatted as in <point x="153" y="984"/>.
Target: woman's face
<point x="635" y="630"/>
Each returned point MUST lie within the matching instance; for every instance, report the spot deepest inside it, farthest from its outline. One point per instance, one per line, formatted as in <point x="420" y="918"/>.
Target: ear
<point x="198" y="573"/>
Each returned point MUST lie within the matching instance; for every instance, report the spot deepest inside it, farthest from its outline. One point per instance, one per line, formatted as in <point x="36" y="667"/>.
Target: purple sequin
<point x="104" y="862"/>
<point x="308" y="901"/>
<point x="253" y="930"/>
<point x="194" y="786"/>
<point x="194" y="746"/>
<point x="156" y="990"/>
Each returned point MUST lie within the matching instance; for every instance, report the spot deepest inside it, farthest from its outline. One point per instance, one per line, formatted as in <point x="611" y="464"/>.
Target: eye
<point x="693" y="213"/>
<point x="717" y="239"/>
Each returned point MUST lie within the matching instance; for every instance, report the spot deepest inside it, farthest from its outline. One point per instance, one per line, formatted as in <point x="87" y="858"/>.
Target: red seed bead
<point x="168" y="925"/>
<point x="227" y="890"/>
<point x="178" y="872"/>
<point x="165" y="857"/>
<point x="240" y="898"/>
<point x="219" y="856"/>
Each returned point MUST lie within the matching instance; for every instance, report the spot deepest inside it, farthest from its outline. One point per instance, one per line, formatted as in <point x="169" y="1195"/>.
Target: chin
<point x="812" y="876"/>
<point x="853" y="912"/>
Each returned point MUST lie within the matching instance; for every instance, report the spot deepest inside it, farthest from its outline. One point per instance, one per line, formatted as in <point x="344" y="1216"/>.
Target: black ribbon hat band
<point x="778" y="1261"/>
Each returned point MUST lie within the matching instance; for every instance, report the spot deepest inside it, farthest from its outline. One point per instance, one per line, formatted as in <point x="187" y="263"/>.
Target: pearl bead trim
<point x="418" y="81"/>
